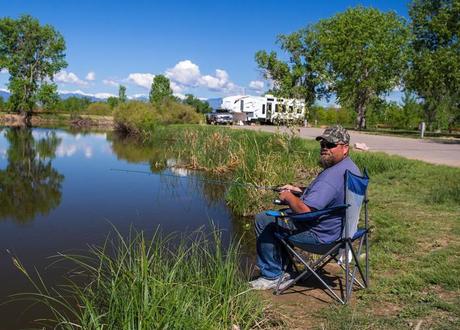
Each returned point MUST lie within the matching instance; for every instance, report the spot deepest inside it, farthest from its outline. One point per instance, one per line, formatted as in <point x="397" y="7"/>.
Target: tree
<point x="32" y="54"/>
<point x="200" y="106"/>
<point x="360" y="55"/>
<point x="2" y="104"/>
<point x="294" y="79"/>
<point x="29" y="185"/>
<point x="112" y="102"/>
<point x="122" y="94"/>
<point x="160" y="90"/>
<point x="48" y="97"/>
<point x="435" y="59"/>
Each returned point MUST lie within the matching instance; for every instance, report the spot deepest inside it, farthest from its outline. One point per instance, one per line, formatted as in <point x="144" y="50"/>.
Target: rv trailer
<point x="265" y="109"/>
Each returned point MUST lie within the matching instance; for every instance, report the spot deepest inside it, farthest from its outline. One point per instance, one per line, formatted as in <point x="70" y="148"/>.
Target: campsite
<point x="132" y="187"/>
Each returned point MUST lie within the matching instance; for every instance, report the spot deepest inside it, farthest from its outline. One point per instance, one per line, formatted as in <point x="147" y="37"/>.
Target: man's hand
<point x="290" y="187"/>
<point x="295" y="203"/>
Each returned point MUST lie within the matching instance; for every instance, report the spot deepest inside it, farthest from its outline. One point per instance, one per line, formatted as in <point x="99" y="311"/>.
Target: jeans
<point x="271" y="256"/>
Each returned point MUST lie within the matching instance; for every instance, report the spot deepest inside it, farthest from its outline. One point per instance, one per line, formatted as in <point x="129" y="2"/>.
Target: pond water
<point x="59" y="192"/>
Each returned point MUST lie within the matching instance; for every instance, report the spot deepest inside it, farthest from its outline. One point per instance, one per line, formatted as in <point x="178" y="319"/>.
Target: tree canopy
<point x="360" y="55"/>
<point x="160" y="90"/>
<point x="294" y="79"/>
<point x="122" y="94"/>
<point x="32" y="54"/>
<point x="435" y="59"/>
<point x="199" y="105"/>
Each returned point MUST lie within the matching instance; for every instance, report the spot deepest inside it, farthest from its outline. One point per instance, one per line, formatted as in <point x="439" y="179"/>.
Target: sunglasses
<point x="329" y="145"/>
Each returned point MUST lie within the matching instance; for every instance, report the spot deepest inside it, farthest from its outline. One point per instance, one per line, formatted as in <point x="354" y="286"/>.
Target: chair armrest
<point x="307" y="216"/>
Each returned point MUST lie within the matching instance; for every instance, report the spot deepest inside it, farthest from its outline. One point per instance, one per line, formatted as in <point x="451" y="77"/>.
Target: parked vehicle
<point x="268" y="109"/>
<point x="220" y="116"/>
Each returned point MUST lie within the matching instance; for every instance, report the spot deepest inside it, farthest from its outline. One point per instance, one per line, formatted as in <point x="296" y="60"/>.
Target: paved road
<point x="446" y="152"/>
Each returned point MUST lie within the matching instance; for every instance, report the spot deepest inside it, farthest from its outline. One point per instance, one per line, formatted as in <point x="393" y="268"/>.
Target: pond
<point x="62" y="190"/>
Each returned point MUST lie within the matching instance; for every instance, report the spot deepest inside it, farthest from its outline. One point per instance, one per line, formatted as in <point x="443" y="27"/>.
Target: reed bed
<point x="172" y="282"/>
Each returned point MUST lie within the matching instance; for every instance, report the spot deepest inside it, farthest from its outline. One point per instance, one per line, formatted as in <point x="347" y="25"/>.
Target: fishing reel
<point x="280" y="202"/>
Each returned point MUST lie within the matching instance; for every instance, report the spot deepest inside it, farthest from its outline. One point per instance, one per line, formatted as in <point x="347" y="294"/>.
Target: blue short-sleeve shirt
<point x="328" y="190"/>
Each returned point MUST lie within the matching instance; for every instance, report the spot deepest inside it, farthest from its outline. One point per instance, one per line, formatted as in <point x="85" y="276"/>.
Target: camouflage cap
<point x="335" y="134"/>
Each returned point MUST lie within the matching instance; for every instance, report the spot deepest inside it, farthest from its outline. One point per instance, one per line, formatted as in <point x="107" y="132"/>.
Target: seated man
<point x="326" y="190"/>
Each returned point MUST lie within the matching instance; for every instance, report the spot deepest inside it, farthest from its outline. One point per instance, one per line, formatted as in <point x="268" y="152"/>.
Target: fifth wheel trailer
<point x="268" y="109"/>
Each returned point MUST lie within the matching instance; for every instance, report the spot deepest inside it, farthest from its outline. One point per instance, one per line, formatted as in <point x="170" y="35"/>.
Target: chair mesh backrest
<point x="355" y="191"/>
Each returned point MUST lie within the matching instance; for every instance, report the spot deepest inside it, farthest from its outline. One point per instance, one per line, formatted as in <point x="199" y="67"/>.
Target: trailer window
<point x="277" y="108"/>
<point x="242" y="105"/>
<point x="269" y="107"/>
<point x="263" y="109"/>
<point x="284" y="107"/>
<point x="291" y="108"/>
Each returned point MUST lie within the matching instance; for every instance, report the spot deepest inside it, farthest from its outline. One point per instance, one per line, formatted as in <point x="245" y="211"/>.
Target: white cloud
<point x="4" y="71"/>
<point x="257" y="85"/>
<point x="138" y="96"/>
<point x="179" y="95"/>
<point x="176" y="88"/>
<point x="104" y="95"/>
<point x="80" y="92"/>
<point x="141" y="79"/>
<point x="69" y="78"/>
<point x="4" y="90"/>
<point x="110" y="82"/>
<point x="185" y="73"/>
<point x="91" y="76"/>
<point x="219" y="83"/>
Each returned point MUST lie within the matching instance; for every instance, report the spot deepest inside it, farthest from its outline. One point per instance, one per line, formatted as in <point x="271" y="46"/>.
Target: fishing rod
<point x="225" y="183"/>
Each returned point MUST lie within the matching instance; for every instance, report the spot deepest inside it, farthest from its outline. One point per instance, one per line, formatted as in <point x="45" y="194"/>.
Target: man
<point x="326" y="190"/>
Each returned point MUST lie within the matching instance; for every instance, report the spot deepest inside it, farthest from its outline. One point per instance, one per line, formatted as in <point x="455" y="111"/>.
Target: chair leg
<point x="312" y="270"/>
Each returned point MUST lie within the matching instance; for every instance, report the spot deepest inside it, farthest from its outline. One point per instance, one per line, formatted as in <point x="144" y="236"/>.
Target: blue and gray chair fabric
<point x="346" y="251"/>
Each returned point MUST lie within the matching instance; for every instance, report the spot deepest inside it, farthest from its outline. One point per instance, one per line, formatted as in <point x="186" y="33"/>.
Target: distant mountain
<point x="5" y="95"/>
<point x="215" y="102"/>
<point x="92" y="98"/>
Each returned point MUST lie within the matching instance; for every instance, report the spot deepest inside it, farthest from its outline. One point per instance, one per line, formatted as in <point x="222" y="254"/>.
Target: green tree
<point x="160" y="90"/>
<point x="296" y="78"/>
<point x="32" y="54"/>
<point x="112" y="102"/>
<point x="2" y="104"/>
<point x="413" y="111"/>
<point x="435" y="59"/>
<point x="48" y="97"/>
<point x="122" y="94"/>
<point x="29" y="185"/>
<point x="200" y="106"/>
<point x="74" y="104"/>
<point x="360" y="55"/>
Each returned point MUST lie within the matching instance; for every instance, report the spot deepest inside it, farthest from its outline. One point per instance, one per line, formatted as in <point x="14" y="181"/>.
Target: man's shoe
<point x="285" y="284"/>
<point x="265" y="284"/>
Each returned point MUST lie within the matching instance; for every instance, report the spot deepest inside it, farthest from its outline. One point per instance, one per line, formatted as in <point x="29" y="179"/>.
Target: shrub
<point x="98" y="108"/>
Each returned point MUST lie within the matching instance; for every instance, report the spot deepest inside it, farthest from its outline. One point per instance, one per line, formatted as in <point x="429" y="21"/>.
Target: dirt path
<point x="446" y="152"/>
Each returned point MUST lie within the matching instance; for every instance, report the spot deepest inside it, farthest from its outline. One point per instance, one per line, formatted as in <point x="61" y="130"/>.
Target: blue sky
<point x="205" y="47"/>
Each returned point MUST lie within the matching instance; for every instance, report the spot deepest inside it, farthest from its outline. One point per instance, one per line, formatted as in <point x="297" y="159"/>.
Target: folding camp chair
<point x="342" y="251"/>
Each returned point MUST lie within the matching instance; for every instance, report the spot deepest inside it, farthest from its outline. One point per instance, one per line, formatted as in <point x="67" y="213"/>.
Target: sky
<point x="205" y="48"/>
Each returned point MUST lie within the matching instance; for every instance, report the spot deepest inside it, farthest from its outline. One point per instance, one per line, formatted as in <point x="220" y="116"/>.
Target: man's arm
<point x="295" y="203"/>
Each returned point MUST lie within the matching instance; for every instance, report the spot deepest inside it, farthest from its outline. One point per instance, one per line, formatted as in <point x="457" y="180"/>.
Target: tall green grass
<point x="172" y="282"/>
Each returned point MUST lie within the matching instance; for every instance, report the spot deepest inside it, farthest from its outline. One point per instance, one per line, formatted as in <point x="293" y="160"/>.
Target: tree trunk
<point x="361" y="117"/>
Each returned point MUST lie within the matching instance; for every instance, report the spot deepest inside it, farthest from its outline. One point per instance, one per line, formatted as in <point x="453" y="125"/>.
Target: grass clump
<point x="172" y="282"/>
<point x="141" y="118"/>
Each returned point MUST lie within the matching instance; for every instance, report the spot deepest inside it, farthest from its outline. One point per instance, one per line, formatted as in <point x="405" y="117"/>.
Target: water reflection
<point x="29" y="185"/>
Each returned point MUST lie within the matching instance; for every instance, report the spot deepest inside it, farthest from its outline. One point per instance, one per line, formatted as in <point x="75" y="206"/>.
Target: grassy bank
<point x="415" y="263"/>
<point x="414" y="211"/>
<point x="173" y="282"/>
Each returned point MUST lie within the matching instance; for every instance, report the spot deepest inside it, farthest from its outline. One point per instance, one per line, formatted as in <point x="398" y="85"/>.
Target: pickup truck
<point x="220" y="116"/>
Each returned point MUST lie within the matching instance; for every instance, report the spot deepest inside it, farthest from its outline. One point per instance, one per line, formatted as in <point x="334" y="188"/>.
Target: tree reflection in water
<point x="29" y="186"/>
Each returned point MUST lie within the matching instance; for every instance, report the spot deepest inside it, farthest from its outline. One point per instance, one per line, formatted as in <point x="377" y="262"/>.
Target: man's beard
<point x="326" y="161"/>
